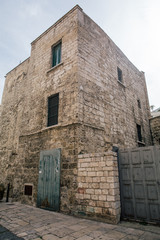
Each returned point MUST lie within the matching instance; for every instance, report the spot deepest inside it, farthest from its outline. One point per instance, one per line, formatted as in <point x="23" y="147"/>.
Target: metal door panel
<point x="49" y="180"/>
<point x="139" y="173"/>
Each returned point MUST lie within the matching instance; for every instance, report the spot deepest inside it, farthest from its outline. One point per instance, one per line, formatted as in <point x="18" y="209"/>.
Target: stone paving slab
<point x="30" y="223"/>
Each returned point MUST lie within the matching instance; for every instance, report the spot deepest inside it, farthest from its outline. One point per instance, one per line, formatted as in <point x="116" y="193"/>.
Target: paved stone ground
<point x="32" y="223"/>
<point x="7" y="235"/>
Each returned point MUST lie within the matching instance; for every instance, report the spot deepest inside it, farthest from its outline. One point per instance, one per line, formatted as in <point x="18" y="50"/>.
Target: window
<point x="139" y="133"/>
<point x="56" y="54"/>
<point x="119" y="71"/>
<point x="28" y="190"/>
<point x="53" y="103"/>
<point x="139" y="103"/>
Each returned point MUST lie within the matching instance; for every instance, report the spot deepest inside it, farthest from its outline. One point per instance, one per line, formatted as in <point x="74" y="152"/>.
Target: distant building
<point x="64" y="110"/>
<point x="155" y="126"/>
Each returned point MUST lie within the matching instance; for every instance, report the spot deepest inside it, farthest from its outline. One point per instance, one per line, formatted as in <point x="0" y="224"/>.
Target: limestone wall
<point x="98" y="186"/>
<point x="24" y="167"/>
<point x="25" y="109"/>
<point x="104" y="102"/>
<point x="155" y="129"/>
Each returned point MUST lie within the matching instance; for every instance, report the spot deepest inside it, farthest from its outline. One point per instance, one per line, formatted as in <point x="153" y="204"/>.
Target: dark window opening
<point x="139" y="103"/>
<point x="28" y="190"/>
<point x="139" y="133"/>
<point x="119" y="71"/>
<point x="56" y="54"/>
<point x="53" y="103"/>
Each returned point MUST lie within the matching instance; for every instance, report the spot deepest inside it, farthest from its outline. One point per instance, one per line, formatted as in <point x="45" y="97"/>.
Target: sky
<point x="134" y="25"/>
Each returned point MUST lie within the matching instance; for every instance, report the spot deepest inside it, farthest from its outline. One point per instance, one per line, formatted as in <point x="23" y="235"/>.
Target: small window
<point x="119" y="71"/>
<point x="139" y="103"/>
<point x="139" y="133"/>
<point x="56" y="54"/>
<point x="53" y="103"/>
<point x="28" y="190"/>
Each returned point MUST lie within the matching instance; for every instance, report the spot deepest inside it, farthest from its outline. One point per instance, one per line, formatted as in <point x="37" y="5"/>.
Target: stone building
<point x="155" y="126"/>
<point x="73" y="101"/>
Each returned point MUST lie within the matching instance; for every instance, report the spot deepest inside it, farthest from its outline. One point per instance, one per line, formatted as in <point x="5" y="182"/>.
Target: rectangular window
<point x="53" y="103"/>
<point x="56" y="54"/>
<point x="28" y="190"/>
<point x="119" y="71"/>
<point x="139" y="103"/>
<point x="139" y="133"/>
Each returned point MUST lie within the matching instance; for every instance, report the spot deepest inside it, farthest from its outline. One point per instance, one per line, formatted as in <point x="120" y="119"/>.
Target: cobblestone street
<point x="31" y="223"/>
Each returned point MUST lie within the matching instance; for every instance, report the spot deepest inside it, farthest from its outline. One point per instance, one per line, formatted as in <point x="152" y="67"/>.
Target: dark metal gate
<point x="139" y="172"/>
<point x="49" y="180"/>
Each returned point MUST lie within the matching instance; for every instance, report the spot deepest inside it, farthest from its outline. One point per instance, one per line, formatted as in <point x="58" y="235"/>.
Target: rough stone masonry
<point x="103" y="102"/>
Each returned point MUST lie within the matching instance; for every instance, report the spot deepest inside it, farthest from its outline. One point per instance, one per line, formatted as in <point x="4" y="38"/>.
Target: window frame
<point x="139" y="132"/>
<point x="139" y="103"/>
<point x="53" y="113"/>
<point x="28" y="189"/>
<point x="56" y="54"/>
<point x="120" y="75"/>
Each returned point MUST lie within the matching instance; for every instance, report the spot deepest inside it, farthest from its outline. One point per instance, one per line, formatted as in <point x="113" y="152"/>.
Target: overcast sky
<point x="134" y="25"/>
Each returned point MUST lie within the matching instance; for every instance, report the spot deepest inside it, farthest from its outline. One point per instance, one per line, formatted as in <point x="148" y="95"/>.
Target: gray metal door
<point x="139" y="172"/>
<point x="49" y="180"/>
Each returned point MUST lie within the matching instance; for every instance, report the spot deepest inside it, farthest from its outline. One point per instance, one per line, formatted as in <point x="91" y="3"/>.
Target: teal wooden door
<point x="49" y="180"/>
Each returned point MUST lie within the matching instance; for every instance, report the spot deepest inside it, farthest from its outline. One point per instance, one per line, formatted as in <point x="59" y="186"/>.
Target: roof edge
<point x="17" y="66"/>
<point x="57" y="22"/>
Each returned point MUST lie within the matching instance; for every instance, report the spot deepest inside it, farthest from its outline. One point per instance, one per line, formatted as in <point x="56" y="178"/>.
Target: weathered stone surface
<point x="96" y="201"/>
<point x="155" y="129"/>
<point x="96" y="112"/>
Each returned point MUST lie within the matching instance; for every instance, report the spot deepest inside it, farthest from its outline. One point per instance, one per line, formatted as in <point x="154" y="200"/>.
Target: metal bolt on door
<point x="49" y="180"/>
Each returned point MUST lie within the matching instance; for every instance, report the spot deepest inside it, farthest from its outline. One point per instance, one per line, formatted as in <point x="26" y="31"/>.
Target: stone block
<point x="110" y="198"/>
<point x="105" y="191"/>
<point x="85" y="165"/>
<point x="91" y="174"/>
<point x="103" y="179"/>
<point x="98" y="191"/>
<point x="98" y="210"/>
<point x="110" y="179"/>
<point x="94" y="197"/>
<point x="87" y="196"/>
<point x="100" y="204"/>
<point x="90" y="191"/>
<point x="100" y="174"/>
<point x="104" y="185"/>
<point x="102" y="198"/>
<point x="96" y="179"/>
<point x="89" y="179"/>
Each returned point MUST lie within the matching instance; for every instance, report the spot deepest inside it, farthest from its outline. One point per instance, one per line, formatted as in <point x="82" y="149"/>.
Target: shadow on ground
<point x="7" y="235"/>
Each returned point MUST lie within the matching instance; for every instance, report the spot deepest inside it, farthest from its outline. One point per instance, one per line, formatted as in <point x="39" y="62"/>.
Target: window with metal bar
<point x="53" y="104"/>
